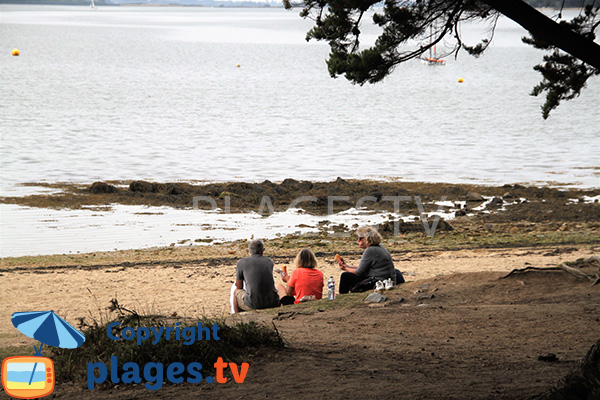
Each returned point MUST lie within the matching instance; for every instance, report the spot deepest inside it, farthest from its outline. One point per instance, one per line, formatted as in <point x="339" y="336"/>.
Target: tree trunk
<point x="542" y="27"/>
<point x="584" y="382"/>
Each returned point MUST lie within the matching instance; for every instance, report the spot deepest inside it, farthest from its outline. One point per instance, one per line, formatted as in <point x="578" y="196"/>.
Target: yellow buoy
<point x="15" y="52"/>
<point x="460" y="80"/>
<point x="238" y="65"/>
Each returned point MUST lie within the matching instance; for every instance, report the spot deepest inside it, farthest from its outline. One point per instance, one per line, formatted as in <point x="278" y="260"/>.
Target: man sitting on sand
<point x="256" y="272"/>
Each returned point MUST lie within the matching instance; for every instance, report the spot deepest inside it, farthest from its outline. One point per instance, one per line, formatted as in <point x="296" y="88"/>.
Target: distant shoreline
<point x="207" y="4"/>
<point x="204" y="4"/>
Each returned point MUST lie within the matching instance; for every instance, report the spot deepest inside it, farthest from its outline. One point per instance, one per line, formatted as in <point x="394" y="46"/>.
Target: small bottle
<point x="282" y="272"/>
<point x="331" y="288"/>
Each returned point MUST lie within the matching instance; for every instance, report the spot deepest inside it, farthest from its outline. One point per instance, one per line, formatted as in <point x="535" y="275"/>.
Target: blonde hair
<point x="306" y="259"/>
<point x="370" y="234"/>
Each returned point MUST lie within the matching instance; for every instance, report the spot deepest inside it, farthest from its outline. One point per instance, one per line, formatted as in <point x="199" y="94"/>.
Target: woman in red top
<point x="306" y="280"/>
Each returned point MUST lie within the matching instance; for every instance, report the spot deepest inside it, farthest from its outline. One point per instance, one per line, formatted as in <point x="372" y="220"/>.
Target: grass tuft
<point x="237" y="344"/>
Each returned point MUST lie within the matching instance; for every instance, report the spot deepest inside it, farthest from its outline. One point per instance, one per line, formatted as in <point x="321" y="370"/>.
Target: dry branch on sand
<point x="568" y="268"/>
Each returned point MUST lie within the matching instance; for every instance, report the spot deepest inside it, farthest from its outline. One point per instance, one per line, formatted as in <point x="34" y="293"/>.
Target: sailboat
<point x="93" y="5"/>
<point x="433" y="58"/>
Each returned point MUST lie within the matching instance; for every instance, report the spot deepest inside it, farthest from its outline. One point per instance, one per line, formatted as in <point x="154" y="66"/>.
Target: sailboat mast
<point x="430" y="40"/>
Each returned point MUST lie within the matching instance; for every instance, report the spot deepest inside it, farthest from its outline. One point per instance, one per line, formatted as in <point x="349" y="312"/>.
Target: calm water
<point x="155" y="93"/>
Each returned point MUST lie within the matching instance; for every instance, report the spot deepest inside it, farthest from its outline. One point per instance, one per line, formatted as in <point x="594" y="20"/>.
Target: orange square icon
<point x="27" y="377"/>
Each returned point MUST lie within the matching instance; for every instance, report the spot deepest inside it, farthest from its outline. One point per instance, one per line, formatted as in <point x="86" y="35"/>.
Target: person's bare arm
<point x="346" y="267"/>
<point x="289" y="290"/>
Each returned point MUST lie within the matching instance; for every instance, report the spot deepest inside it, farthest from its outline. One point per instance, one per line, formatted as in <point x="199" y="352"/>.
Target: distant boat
<point x="433" y="58"/>
<point x="93" y="5"/>
<point x="435" y="61"/>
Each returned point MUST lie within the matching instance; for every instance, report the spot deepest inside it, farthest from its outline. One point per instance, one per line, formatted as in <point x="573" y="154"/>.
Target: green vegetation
<point x="237" y="343"/>
<point x="428" y="23"/>
<point x="13" y="351"/>
<point x="464" y="236"/>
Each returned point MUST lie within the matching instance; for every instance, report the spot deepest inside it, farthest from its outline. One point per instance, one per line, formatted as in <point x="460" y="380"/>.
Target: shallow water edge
<point x="106" y="216"/>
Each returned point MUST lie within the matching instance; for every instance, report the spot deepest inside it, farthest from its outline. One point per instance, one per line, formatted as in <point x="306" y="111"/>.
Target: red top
<point x="306" y="282"/>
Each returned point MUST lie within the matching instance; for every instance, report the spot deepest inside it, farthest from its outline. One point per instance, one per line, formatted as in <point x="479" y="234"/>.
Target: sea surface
<point x="237" y="94"/>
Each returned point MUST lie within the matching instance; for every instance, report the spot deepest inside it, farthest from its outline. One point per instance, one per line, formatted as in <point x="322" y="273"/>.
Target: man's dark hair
<point x="256" y="247"/>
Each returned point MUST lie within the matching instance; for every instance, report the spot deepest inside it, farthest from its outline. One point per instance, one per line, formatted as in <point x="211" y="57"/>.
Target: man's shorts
<point x="240" y="300"/>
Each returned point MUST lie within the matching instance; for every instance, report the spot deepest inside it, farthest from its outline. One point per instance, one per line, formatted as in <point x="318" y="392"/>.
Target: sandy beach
<point x="458" y="328"/>
<point x="196" y="288"/>
<point x="142" y="149"/>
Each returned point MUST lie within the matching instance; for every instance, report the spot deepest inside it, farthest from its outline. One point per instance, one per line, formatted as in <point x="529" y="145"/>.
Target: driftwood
<point x="583" y="383"/>
<point x="566" y="268"/>
<point x="561" y="267"/>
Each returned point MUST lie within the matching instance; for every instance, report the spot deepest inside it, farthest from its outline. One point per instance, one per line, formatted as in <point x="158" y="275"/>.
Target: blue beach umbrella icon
<point x="49" y="329"/>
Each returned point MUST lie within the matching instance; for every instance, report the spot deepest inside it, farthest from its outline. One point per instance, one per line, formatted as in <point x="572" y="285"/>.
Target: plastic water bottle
<point x="331" y="288"/>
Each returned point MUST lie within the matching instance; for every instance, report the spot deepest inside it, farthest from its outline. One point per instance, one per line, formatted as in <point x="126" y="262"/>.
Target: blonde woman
<point x="375" y="265"/>
<point x="305" y="281"/>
